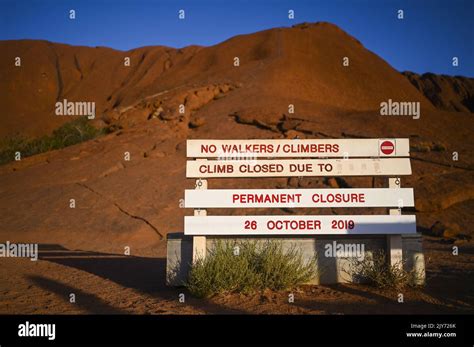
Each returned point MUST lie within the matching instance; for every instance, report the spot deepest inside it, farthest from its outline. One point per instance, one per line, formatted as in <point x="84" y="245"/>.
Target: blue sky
<point x="432" y="32"/>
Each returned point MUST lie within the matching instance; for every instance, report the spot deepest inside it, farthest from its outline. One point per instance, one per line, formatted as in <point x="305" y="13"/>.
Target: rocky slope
<point x="449" y="93"/>
<point x="294" y="65"/>
<point x="136" y="202"/>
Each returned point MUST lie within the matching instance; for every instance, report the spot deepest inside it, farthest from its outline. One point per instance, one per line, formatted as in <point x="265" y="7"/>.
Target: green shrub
<point x="425" y="147"/>
<point x="438" y="147"/>
<point x="375" y="270"/>
<point x="255" y="267"/>
<point x="71" y="133"/>
<point x="422" y="147"/>
<point x="280" y="270"/>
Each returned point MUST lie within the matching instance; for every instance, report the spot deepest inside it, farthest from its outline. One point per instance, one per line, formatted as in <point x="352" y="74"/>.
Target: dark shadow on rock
<point x="451" y="295"/>
<point x="423" y="230"/>
<point x="144" y="274"/>
<point x="88" y="302"/>
<point x="363" y="291"/>
<point x="51" y="247"/>
<point x="373" y="303"/>
<point x="141" y="273"/>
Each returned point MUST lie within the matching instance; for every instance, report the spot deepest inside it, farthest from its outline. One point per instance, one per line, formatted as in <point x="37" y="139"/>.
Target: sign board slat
<point x="298" y="167"/>
<point x="300" y="225"/>
<point x="237" y="149"/>
<point x="298" y="198"/>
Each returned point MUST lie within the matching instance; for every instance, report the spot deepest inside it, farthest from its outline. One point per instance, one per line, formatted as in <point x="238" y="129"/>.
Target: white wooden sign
<point x="300" y="225"/>
<point x="298" y="167"/>
<point x="298" y="148"/>
<point x="296" y="198"/>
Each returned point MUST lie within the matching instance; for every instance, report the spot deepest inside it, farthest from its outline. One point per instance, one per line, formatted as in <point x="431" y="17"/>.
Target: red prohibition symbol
<point x="387" y="147"/>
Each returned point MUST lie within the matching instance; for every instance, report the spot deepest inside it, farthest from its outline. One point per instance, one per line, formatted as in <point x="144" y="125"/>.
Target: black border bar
<point x="238" y="329"/>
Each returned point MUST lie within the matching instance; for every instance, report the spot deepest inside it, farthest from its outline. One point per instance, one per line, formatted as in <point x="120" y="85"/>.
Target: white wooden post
<point x="394" y="242"/>
<point x="199" y="242"/>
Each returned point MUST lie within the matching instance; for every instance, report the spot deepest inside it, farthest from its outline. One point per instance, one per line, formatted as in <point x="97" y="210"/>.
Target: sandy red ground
<point x="114" y="283"/>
